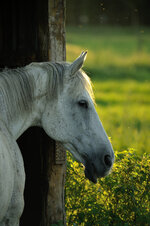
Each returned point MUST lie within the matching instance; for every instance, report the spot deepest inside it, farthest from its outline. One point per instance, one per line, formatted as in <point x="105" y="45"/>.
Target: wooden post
<point x="54" y="199"/>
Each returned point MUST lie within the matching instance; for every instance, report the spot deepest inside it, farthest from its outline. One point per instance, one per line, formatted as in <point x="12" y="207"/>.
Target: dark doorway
<point x="30" y="143"/>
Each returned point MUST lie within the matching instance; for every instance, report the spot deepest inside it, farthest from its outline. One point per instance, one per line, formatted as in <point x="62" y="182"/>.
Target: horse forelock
<point x="86" y="82"/>
<point x="57" y="77"/>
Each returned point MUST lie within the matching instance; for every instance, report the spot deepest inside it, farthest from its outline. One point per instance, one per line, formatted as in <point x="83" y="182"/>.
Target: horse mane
<point x="17" y="87"/>
<point x="55" y="82"/>
<point x="16" y="92"/>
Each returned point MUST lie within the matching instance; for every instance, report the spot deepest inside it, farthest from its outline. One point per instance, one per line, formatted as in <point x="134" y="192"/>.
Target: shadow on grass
<point x="139" y="73"/>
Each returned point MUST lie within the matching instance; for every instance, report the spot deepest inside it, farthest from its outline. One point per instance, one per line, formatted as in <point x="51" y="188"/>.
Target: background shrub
<point x="122" y="198"/>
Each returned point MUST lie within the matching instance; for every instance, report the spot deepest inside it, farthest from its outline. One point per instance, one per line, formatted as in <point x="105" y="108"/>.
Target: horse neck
<point x="33" y="117"/>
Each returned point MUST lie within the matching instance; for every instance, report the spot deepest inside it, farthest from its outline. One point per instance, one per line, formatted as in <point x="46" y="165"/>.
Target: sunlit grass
<point x="108" y="57"/>
<point x="124" y="108"/>
<point x="119" y="64"/>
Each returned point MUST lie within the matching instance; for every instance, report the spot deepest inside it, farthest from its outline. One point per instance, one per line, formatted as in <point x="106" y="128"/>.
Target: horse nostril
<point x="107" y="160"/>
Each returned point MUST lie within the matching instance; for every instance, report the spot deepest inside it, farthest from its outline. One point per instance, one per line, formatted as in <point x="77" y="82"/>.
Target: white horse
<point x="59" y="98"/>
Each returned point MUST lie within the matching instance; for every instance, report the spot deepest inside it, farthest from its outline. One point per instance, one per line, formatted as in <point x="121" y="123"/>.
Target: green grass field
<point x="118" y="63"/>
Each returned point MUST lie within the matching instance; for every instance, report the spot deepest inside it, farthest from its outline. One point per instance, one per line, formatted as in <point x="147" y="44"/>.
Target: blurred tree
<point x="117" y="12"/>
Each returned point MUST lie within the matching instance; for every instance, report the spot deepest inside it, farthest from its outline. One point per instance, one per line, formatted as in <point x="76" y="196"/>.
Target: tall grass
<point x="118" y="63"/>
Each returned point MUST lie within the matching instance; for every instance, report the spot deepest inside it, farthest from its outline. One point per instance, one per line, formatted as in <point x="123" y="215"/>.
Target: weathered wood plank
<point x="55" y="206"/>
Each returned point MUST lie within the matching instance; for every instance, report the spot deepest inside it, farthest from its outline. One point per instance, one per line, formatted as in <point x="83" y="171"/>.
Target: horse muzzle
<point x="97" y="169"/>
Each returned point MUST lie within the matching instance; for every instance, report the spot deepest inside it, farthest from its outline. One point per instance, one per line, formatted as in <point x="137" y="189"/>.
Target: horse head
<point x="71" y="119"/>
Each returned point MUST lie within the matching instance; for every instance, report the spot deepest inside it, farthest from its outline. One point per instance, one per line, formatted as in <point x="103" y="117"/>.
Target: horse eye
<point x="83" y="104"/>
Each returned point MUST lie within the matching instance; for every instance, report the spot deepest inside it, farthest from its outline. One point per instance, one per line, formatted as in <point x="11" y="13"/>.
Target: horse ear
<point x="78" y="63"/>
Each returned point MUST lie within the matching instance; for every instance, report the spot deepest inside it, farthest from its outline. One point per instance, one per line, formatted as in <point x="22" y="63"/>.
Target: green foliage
<point x="122" y="198"/>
